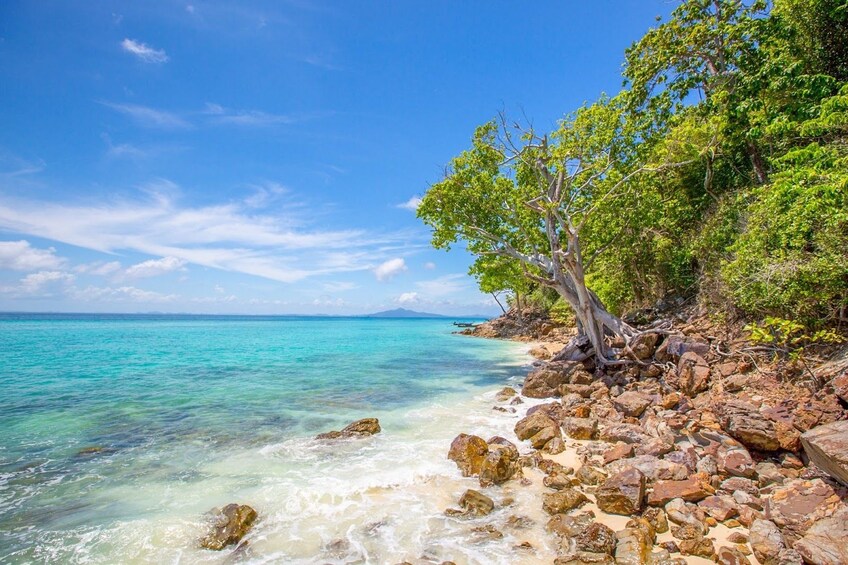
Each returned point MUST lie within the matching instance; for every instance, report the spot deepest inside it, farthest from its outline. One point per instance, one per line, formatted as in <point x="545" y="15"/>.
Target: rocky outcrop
<point x="230" y="525"/>
<point x="796" y="505"/>
<point x="622" y="493"/>
<point x="580" y="428"/>
<point x="468" y="452"/>
<point x="826" y="542"/>
<point x="545" y="381"/>
<point x="827" y="447"/>
<point x="359" y="428"/>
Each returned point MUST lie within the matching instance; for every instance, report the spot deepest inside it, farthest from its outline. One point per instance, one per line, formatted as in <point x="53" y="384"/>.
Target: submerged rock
<point x="475" y="502"/>
<point x="359" y="428"/>
<point x="231" y="524"/>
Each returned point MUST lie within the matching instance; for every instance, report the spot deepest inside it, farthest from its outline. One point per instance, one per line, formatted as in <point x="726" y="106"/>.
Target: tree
<point x="527" y="199"/>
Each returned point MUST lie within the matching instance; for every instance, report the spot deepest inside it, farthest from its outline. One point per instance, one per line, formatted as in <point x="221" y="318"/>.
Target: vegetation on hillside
<point x="721" y="170"/>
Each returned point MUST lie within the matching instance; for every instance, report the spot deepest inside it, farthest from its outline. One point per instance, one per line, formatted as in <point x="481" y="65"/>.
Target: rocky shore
<point x="701" y="452"/>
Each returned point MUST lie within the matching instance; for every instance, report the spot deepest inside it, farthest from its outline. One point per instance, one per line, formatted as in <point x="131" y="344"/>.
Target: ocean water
<point x="119" y="433"/>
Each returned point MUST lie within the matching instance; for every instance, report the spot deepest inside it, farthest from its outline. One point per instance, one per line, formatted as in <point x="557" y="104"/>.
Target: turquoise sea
<point x="119" y="433"/>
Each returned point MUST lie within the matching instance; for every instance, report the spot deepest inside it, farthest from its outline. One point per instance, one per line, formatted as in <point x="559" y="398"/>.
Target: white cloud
<point x="328" y="301"/>
<point x="154" y="267"/>
<point x="429" y="265"/>
<point x="144" y="52"/>
<point x="120" y="294"/>
<point x="35" y="282"/>
<point x="339" y="286"/>
<point x="150" y="117"/>
<point x="219" y="289"/>
<point x="248" y="118"/>
<point x="21" y="256"/>
<point x="231" y="236"/>
<point x="442" y="286"/>
<point x="98" y="268"/>
<point x="408" y="298"/>
<point x="390" y="268"/>
<point x="411" y="204"/>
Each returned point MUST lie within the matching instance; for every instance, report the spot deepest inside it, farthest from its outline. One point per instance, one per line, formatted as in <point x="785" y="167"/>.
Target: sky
<point x="267" y="157"/>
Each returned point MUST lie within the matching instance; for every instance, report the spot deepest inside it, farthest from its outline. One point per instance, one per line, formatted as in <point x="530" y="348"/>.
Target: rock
<point x="633" y="545"/>
<point x="589" y="475"/>
<point x="720" y="507"/>
<point x="563" y="501"/>
<point x="734" y="484"/>
<point x="731" y="556"/>
<point x="580" y="428"/>
<point x="736" y="462"/>
<point x="631" y="403"/>
<point x="656" y="447"/>
<point x="597" y="538"/>
<point x="790" y="557"/>
<point x="539" y="428"/>
<point x="744" y="422"/>
<point x="766" y="541"/>
<point x="840" y="386"/>
<point x="700" y="546"/>
<point x="553" y="410"/>
<point x="657" y="518"/>
<point x="559" y="478"/>
<point x="468" y="452"/>
<point x="652" y="467"/>
<point x="545" y="381"/>
<point x="486" y="532"/>
<point x="569" y="526"/>
<point x="583" y="391"/>
<point x="498" y="466"/>
<point x="681" y="512"/>
<point x="359" y="428"/>
<point x="230" y="525"/>
<point x="620" y="450"/>
<point x="825" y="541"/>
<point x="556" y="445"/>
<point x="475" y="502"/>
<point x="692" y="489"/>
<point x="675" y="346"/>
<point x="622" y="493"/>
<point x="644" y="345"/>
<point x="585" y="558"/>
<point x="827" y="447"/>
<point x="693" y="374"/>
<point x="519" y="522"/>
<point x="795" y="506"/>
<point x="628" y="433"/>
<point x="505" y="394"/>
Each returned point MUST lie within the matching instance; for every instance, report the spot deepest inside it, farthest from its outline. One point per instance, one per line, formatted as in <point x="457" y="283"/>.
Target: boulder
<point x="230" y="525"/>
<point x="657" y="519"/>
<point x="825" y="541"/>
<point x="744" y="423"/>
<point x="693" y="374"/>
<point x="692" y="489"/>
<point x="721" y="507"/>
<point x="796" y="505"/>
<point x="569" y="526"/>
<point x="545" y="381"/>
<point x="631" y="403"/>
<point x="644" y="345"/>
<point x="589" y="475"/>
<point x="766" y="541"/>
<point x="827" y="447"/>
<point x="505" y="394"/>
<point x="475" y="502"/>
<point x="634" y="544"/>
<point x="563" y="501"/>
<point x="628" y="433"/>
<point x="359" y="428"/>
<point x="620" y="450"/>
<point x="736" y="462"/>
<point x="622" y="493"/>
<point x="539" y="428"/>
<point x="498" y="466"/>
<point x="652" y="467"/>
<point x="580" y="428"/>
<point x="468" y="452"/>
<point x="559" y="478"/>
<point x="585" y="558"/>
<point x="675" y="346"/>
<point x="597" y="538"/>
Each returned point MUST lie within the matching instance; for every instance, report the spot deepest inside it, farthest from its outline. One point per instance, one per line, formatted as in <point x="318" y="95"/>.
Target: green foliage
<point x="788" y="337"/>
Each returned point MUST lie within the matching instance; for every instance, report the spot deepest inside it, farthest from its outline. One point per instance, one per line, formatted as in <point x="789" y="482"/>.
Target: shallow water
<point x="189" y="413"/>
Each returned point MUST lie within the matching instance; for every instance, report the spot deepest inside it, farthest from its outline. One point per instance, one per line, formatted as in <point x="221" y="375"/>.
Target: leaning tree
<point x="529" y="199"/>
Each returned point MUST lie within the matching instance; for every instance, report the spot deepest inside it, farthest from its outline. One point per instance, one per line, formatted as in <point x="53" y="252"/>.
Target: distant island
<point x="403" y="313"/>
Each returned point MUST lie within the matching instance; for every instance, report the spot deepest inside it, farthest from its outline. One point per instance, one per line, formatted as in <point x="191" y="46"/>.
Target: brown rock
<point x="498" y="466"/>
<point x="766" y="541"/>
<point x="657" y="518"/>
<point x="620" y="450"/>
<point x="693" y="374"/>
<point x="744" y="422"/>
<point x="505" y="394"/>
<point x="468" y="452"/>
<point x="580" y="428"/>
<point x="634" y="544"/>
<point x="700" y="546"/>
<point x="589" y="475"/>
<point x="556" y="445"/>
<point x="597" y="538"/>
<point x="622" y="493"/>
<point x="644" y="345"/>
<point x="628" y="433"/>
<point x="796" y="505"/>
<point x="825" y="542"/>
<point x="545" y="381"/>
<point x="584" y="391"/>
<point x="731" y="556"/>
<point x="538" y="428"/>
<point x="692" y="489"/>
<point x="585" y="558"/>
<point x="559" y="478"/>
<point x="631" y="403"/>
<point x="230" y="525"/>
<point x="675" y="346"/>
<point x="569" y="526"/>
<point x="475" y="502"/>
<point x="736" y="462"/>
<point x="721" y="508"/>
<point x="359" y="428"/>
<point x="563" y="501"/>
<point x="840" y="386"/>
<point x="827" y="447"/>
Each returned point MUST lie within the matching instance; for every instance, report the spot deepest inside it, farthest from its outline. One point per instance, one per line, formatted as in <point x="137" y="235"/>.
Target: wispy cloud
<point x="119" y="294"/>
<point x="231" y="236"/>
<point x="150" y="117"/>
<point x="99" y="268"/>
<point x="340" y="286"/>
<point x="14" y="166"/>
<point x="144" y="52"/>
<point x="412" y="204"/>
<point x="154" y="268"/>
<point x="390" y="268"/>
<point x="248" y="118"/>
<point x="21" y="256"/>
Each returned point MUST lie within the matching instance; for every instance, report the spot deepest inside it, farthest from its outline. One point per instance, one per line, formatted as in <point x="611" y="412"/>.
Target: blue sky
<point x="265" y="157"/>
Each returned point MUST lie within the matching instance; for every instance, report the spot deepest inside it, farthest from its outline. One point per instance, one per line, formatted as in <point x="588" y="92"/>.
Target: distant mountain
<point x="403" y="313"/>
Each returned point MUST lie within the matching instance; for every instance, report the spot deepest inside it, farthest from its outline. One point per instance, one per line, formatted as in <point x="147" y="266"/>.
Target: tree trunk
<point x="757" y="162"/>
<point x="495" y="296"/>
